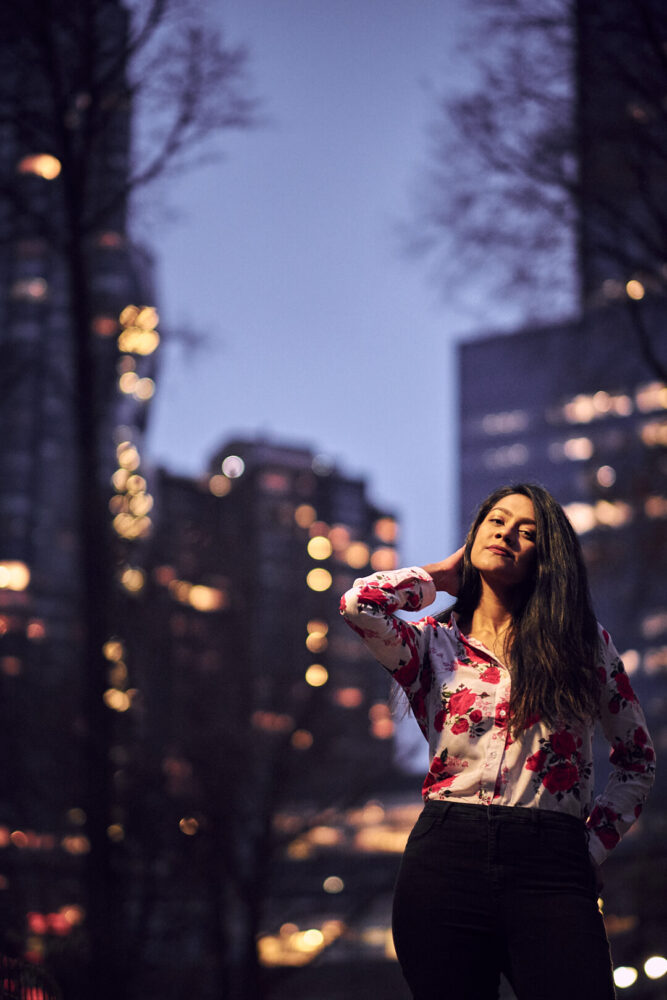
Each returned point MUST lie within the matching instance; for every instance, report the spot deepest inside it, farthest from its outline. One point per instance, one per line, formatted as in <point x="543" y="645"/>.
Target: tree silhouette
<point x="97" y="100"/>
<point x="546" y="177"/>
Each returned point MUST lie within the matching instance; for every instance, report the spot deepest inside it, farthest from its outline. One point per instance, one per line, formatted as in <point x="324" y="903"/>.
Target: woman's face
<point x="504" y="547"/>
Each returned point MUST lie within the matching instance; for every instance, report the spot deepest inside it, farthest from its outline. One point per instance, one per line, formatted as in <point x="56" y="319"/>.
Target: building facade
<point x="44" y="258"/>
<point x="264" y="722"/>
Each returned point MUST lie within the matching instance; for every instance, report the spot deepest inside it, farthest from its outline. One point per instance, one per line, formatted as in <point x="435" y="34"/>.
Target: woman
<point x="501" y="871"/>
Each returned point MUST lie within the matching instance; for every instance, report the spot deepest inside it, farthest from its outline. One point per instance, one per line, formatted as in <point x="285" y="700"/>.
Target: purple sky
<point x="285" y="255"/>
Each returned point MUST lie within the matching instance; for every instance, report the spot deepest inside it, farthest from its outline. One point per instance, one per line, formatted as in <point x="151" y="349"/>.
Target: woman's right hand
<point x="446" y="575"/>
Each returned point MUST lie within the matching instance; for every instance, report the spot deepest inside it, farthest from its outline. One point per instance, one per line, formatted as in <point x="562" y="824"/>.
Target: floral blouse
<point x="459" y="694"/>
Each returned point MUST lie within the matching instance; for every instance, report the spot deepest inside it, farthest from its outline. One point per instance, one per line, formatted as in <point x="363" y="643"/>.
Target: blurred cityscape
<point x="201" y="793"/>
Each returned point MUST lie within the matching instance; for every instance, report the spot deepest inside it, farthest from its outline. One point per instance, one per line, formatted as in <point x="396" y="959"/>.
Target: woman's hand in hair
<point x="446" y="575"/>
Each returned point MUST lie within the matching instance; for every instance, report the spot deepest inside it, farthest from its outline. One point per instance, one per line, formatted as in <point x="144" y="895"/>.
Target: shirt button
<point x="502" y="712"/>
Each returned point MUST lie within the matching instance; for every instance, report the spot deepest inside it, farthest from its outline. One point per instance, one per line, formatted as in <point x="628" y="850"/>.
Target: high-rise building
<point x="619" y="85"/>
<point x="42" y="261"/>
<point x="266" y="721"/>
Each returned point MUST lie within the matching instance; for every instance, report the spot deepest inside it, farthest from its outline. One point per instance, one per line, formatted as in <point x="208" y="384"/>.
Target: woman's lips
<point x="500" y="551"/>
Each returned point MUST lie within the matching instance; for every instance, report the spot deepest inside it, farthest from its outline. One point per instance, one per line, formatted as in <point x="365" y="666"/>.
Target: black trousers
<point x="488" y="889"/>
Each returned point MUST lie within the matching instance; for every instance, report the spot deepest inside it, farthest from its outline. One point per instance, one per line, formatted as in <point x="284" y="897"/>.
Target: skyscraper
<point x="68" y="271"/>
<point x="262" y="716"/>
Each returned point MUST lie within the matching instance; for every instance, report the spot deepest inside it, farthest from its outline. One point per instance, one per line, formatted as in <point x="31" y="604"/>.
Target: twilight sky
<point x="285" y="255"/>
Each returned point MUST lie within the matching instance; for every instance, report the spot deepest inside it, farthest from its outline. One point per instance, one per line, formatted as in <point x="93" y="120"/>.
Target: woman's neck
<point x="491" y="620"/>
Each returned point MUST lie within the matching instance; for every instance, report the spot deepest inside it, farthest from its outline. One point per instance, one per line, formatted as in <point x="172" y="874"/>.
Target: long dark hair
<point x="552" y="644"/>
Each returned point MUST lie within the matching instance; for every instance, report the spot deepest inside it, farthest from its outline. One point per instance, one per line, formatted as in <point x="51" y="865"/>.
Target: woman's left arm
<point x="632" y="756"/>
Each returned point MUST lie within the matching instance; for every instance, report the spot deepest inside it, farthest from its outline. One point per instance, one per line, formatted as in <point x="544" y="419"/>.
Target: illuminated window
<point x="233" y="466"/>
<point x="386" y="530"/>
<point x="144" y="389"/>
<point x="655" y="660"/>
<point x="138" y="335"/>
<point x="625" y="976"/>
<point x="274" y="482"/>
<point x="506" y="457"/>
<point x="219" y="485"/>
<point x="127" y="382"/>
<point x="631" y="660"/>
<point x="655" y="967"/>
<point x="304" y="515"/>
<point x="319" y="579"/>
<point x="510" y="422"/>
<point x="272" y="722"/>
<point x="317" y="675"/>
<point x="349" y="697"/>
<point x="14" y="575"/>
<point x="188" y="825"/>
<point x="117" y="700"/>
<point x="581" y="516"/>
<point x="110" y="240"/>
<point x="301" y="739"/>
<point x="339" y="536"/>
<point x="41" y="165"/>
<point x="206" y="598"/>
<point x="35" y="630"/>
<point x="654" y="624"/>
<point x="316" y="642"/>
<point x="654" y="433"/>
<point x="578" y="449"/>
<point x="104" y="326"/>
<point x="606" y="476"/>
<point x="384" y="559"/>
<point x="613" y="514"/>
<point x="651" y="397"/>
<point x="29" y="290"/>
<point x="319" y="547"/>
<point x="133" y="579"/>
<point x="655" y="507"/>
<point x="635" y="289"/>
<point x="357" y="555"/>
<point x="10" y="666"/>
<point x="582" y="409"/>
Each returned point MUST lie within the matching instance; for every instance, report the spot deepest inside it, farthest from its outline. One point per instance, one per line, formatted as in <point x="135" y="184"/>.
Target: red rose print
<point x="595" y="817"/>
<point x="608" y="836"/>
<point x="536" y="761"/>
<point x="624" y="687"/>
<point x="502" y="713"/>
<point x="437" y="767"/>
<point x="476" y="715"/>
<point x="563" y="744"/>
<point x="460" y="726"/>
<point x="640" y="736"/>
<point x="460" y="702"/>
<point x="491" y="675"/>
<point x="560" y="777"/>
